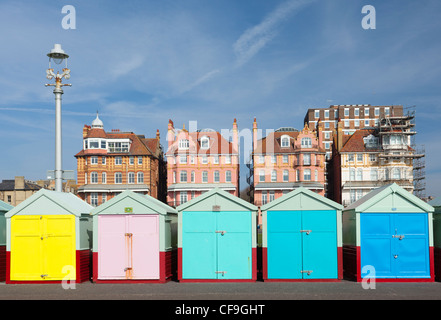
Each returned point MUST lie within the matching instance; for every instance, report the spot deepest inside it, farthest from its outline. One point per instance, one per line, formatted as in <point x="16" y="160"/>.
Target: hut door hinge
<point x="308" y="272"/>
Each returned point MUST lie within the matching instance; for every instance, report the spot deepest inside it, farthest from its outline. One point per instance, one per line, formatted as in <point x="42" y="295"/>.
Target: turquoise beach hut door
<point x="302" y="244"/>
<point x="216" y="245"/>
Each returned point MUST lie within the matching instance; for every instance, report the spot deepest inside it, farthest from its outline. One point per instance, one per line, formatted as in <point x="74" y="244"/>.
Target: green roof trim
<point x="220" y="192"/>
<point x="297" y="192"/>
<point x="144" y="200"/>
<point x="4" y="207"/>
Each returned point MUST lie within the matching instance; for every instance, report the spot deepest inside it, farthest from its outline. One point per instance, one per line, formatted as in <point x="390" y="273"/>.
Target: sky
<point x="141" y="63"/>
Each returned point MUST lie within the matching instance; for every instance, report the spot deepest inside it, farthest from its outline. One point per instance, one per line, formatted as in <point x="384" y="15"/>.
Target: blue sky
<point x="140" y="63"/>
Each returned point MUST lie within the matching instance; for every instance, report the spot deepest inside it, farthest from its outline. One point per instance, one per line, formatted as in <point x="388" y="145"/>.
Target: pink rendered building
<point x="285" y="160"/>
<point x="200" y="161"/>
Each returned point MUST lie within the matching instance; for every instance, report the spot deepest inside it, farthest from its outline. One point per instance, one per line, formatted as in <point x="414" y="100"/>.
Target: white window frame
<point x="118" y="177"/>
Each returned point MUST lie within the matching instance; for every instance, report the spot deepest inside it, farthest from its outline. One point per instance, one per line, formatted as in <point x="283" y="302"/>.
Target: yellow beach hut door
<point x="42" y="247"/>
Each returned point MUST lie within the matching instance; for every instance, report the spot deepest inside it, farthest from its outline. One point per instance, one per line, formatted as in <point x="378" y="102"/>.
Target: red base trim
<point x="265" y="269"/>
<point x="82" y="269"/>
<point x="167" y="267"/>
<point x="253" y="272"/>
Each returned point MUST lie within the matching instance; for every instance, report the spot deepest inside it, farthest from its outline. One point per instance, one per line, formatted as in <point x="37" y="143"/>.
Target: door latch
<point x="223" y="272"/>
<point x="307" y="231"/>
<point x="400" y="237"/>
<point x="308" y="272"/>
<point x="222" y="232"/>
<point x="43" y="276"/>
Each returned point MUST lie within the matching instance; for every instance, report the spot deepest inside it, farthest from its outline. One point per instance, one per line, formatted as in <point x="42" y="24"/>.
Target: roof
<point x="5" y="206"/>
<point x="139" y="144"/>
<point x="222" y="194"/>
<point x="217" y="144"/>
<point x="9" y="185"/>
<point x="51" y="202"/>
<point x="375" y="199"/>
<point x="116" y="204"/>
<point x="301" y="191"/>
<point x="355" y="142"/>
<point x="272" y="142"/>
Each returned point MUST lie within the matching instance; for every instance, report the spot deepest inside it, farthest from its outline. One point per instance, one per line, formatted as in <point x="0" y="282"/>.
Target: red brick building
<point x="112" y="162"/>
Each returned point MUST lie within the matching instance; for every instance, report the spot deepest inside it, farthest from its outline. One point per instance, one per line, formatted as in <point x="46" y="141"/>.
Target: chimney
<point x="254" y="134"/>
<point x="235" y="137"/>
<point x="86" y="129"/>
<point x="19" y="183"/>
<point x="157" y="134"/>
<point x="339" y="135"/>
<point x="319" y="133"/>
<point x="170" y="133"/>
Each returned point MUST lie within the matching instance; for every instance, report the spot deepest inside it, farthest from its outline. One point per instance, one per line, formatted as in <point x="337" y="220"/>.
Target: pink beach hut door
<point x="128" y="247"/>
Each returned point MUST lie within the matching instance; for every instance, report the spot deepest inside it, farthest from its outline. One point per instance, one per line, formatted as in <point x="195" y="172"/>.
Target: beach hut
<point x="4" y="207"/>
<point x="302" y="238"/>
<point x="49" y="239"/>
<point x="436" y="204"/>
<point x="134" y="239"/>
<point x="387" y="235"/>
<point x="217" y="238"/>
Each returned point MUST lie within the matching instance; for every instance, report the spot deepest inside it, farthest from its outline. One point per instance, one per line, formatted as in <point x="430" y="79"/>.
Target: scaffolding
<point x="399" y="151"/>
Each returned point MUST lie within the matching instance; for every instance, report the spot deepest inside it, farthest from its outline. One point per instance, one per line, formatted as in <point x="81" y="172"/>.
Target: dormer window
<point x="184" y="144"/>
<point x="284" y="142"/>
<point x="205" y="143"/>
<point x="118" y="147"/>
<point x="306" y="143"/>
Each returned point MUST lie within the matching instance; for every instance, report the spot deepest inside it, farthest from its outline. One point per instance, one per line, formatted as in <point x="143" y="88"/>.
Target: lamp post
<point x="58" y="55"/>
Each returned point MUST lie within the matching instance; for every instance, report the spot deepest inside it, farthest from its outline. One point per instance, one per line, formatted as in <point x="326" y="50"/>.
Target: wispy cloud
<point x="257" y="37"/>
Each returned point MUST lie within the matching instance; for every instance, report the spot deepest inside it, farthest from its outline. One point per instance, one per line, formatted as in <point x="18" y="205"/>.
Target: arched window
<point x="285" y="141"/>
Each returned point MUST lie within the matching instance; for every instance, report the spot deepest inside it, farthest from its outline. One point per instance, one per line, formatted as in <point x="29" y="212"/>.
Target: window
<point x="204" y="143"/>
<point x="85" y="178"/>
<point x="327" y="135"/>
<point x="131" y="160"/>
<point x="204" y="160"/>
<point x="352" y="195"/>
<point x="366" y="111"/>
<point x="285" y="158"/>
<point x="174" y="176"/>
<point x="351" y="157"/>
<point x="372" y="158"/>
<point x="94" y="199"/>
<point x="359" y="175"/>
<point x="118" y="160"/>
<point x="273" y="176"/>
<point x="297" y="175"/>
<point x="285" y="141"/>
<point x="326" y="125"/>
<point x="377" y="112"/>
<point x="103" y="197"/>
<point x="316" y="175"/>
<point x="262" y="176"/>
<point x="261" y="159"/>
<point x="346" y="112"/>
<point x="228" y="176"/>
<point x="316" y="114"/>
<point x="191" y="159"/>
<point x="183" y="144"/>
<point x="103" y="160"/>
<point x="118" y="147"/>
<point x="327" y="145"/>
<point x="356" y="123"/>
<point x="215" y="159"/>
<point x="356" y="112"/>
<point x="94" y="177"/>
<point x="271" y="196"/>
<point x="140" y="177"/>
<point x="346" y="123"/>
<point x="273" y="158"/>
<point x="366" y="123"/>
<point x="139" y="160"/>
<point x="396" y="174"/>
<point x="118" y="177"/>
<point x="306" y="143"/>
<point x="264" y="197"/>
<point x="359" y="157"/>
<point x="183" y="176"/>
<point x="285" y="175"/>
<point x="192" y="176"/>
<point x="228" y="159"/>
<point x="93" y="144"/>
<point x="103" y="144"/>
<point x="335" y="114"/>
<point x="352" y="175"/>
<point x="327" y="114"/>
<point x="216" y="176"/>
<point x="374" y="174"/>
<point x="183" y="195"/>
<point x="307" y="175"/>
<point x="94" y="160"/>
<point x="307" y="159"/>
<point x="183" y="159"/>
<point x="359" y="194"/>
<point x="386" y="111"/>
<point x="103" y="177"/>
<point x="204" y="176"/>
<point x="131" y="177"/>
